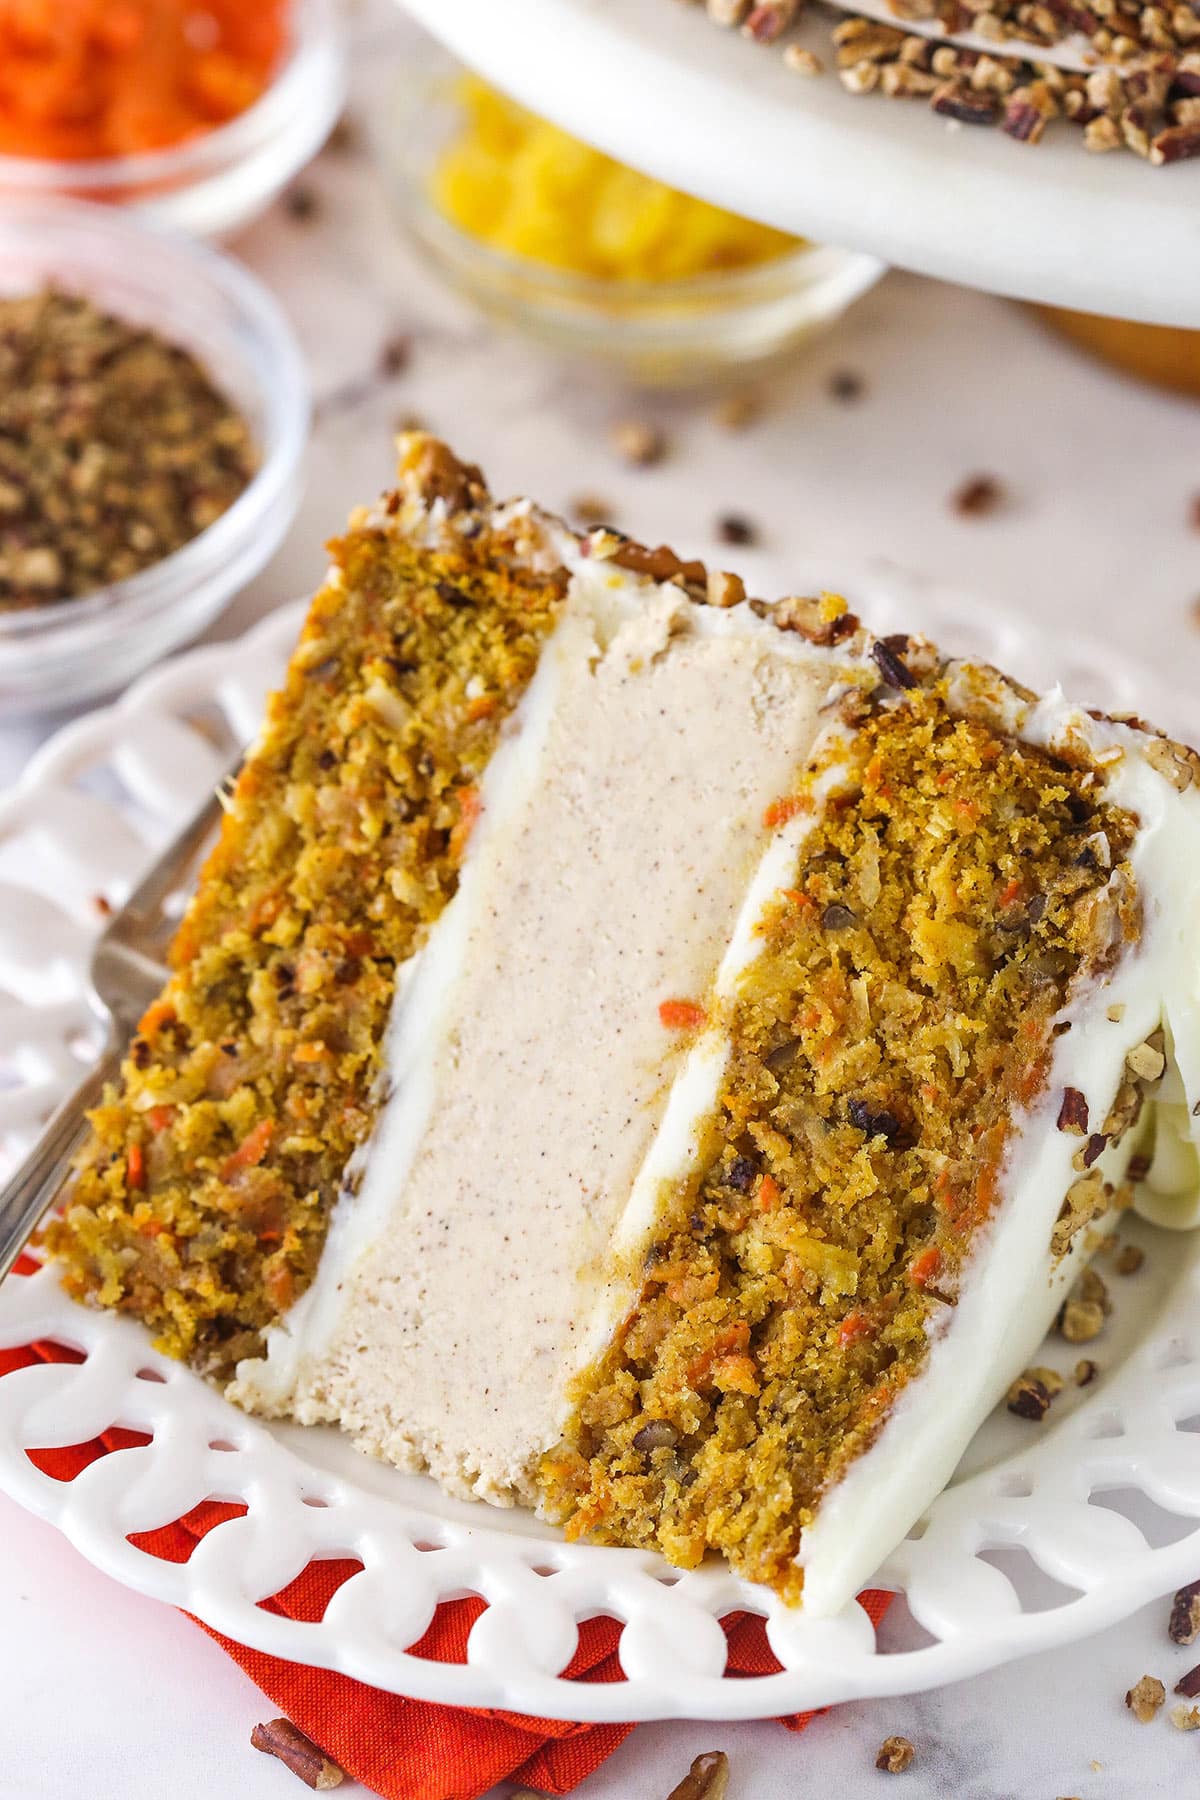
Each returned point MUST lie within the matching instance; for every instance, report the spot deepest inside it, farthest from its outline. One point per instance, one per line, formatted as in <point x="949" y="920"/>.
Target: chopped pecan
<point x="819" y="620"/>
<point x="1184" y="1626"/>
<point x="724" y="589"/>
<point x="1189" y="1685"/>
<point x="1073" y="1112"/>
<point x="1146" y="1061"/>
<point x="978" y="494"/>
<point x="1145" y="1698"/>
<point x="964" y="104"/>
<point x="895" y="672"/>
<point x="1086" y="1372"/>
<point x="1130" y="1258"/>
<point x="1084" y="1199"/>
<point x="661" y="564"/>
<point x="707" y="1779"/>
<point x="894" y="1755"/>
<point x="638" y="443"/>
<point x="1028" y="1397"/>
<point x="297" y="1752"/>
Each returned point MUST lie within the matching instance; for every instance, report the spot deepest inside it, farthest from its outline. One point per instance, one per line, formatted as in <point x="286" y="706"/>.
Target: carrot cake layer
<point x="646" y="1053"/>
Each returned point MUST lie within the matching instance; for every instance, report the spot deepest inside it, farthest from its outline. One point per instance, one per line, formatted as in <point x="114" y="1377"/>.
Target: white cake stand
<point x="654" y="83"/>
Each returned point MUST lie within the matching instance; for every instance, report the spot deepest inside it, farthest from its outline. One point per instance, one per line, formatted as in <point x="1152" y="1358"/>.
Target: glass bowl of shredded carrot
<point x="589" y="256"/>
<point x="197" y="111"/>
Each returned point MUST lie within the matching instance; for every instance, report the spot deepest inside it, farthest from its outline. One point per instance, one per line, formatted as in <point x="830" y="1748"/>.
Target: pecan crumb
<point x="738" y="410"/>
<point x="297" y="1752"/>
<point x="707" y="1779"/>
<point x="1073" y="1112"/>
<point x="894" y="1755"/>
<point x="1028" y="1397"/>
<point x="1184" y="1626"/>
<point x="591" y="509"/>
<point x="846" y="384"/>
<point x="1086" y="1372"/>
<point x="638" y="443"/>
<point x="301" y="203"/>
<point x="1145" y="1697"/>
<point x="1130" y="1258"/>
<point x="1189" y="1685"/>
<point x="735" y="528"/>
<point x="977" y="496"/>
<point x="394" y="356"/>
<point x="1185" y="1718"/>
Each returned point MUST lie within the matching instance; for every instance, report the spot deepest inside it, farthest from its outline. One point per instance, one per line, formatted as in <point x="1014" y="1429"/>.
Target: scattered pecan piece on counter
<point x="738" y="410"/>
<point x="297" y="1752"/>
<point x="1145" y="1698"/>
<point x="1086" y="1372"/>
<point x="735" y="528"/>
<point x="1184" y="1626"/>
<point x="1185" y="1718"/>
<point x="638" y="443"/>
<point x="1189" y="1685"/>
<point x="707" y="1779"/>
<point x="977" y="496"/>
<point x="894" y="1755"/>
<point x="1130" y="1258"/>
<point x="591" y="509"/>
<point x="846" y="385"/>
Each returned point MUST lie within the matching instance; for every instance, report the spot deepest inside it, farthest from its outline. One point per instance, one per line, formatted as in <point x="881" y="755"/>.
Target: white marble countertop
<point x="112" y="1697"/>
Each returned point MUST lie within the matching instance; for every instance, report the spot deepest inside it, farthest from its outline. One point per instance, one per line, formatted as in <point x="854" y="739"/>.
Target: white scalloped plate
<point x="1043" y="1537"/>
<point x="656" y="84"/>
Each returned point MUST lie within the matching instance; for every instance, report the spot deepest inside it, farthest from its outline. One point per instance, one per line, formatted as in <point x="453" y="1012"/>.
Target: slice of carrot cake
<point x="643" y="1052"/>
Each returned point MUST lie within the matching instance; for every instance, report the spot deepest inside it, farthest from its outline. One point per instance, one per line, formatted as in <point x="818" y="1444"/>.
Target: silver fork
<point x="128" y="969"/>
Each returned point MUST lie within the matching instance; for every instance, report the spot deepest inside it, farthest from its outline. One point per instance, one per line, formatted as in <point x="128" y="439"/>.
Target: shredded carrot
<point x="250" y="1151"/>
<point x="780" y="811"/>
<point x="855" y="1325"/>
<point x="159" y="1117"/>
<point x="470" y="806"/>
<point x="159" y="1012"/>
<point x="97" y="78"/>
<point x="482" y="707"/>
<point x="1012" y="892"/>
<point x="798" y="897"/>
<point x="768" y="1194"/>
<point x="681" y="1015"/>
<point x="314" y="1052"/>
<point x="924" y="1267"/>
<point x="135" y="1167"/>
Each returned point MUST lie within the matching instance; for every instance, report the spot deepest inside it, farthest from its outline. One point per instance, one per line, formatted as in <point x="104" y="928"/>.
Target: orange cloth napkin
<point x="408" y="1749"/>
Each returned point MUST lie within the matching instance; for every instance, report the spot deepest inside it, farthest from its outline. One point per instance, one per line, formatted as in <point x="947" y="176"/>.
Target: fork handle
<point x="36" y="1184"/>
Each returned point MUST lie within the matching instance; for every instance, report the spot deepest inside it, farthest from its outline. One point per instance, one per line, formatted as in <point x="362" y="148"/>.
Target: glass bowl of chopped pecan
<point x="153" y="414"/>
<point x="196" y="116"/>
<point x="588" y="256"/>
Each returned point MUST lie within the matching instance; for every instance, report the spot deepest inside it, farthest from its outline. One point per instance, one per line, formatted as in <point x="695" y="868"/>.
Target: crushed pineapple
<point x="520" y="184"/>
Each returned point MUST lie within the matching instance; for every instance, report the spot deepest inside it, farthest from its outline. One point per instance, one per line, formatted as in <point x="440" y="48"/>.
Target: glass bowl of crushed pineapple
<point x="593" y="259"/>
